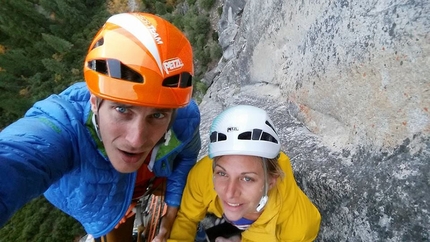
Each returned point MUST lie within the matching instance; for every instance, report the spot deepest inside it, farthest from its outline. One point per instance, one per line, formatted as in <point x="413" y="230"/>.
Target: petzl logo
<point x="230" y="129"/>
<point x="172" y="64"/>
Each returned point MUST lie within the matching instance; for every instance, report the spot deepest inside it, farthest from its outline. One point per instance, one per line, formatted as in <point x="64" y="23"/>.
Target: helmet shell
<point x="244" y="130"/>
<point x="140" y="59"/>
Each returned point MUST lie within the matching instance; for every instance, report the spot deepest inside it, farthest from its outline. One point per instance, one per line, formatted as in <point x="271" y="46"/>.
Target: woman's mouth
<point x="232" y="206"/>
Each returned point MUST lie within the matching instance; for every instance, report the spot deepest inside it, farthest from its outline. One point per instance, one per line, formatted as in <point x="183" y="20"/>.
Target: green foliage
<point x="206" y="4"/>
<point x="45" y="42"/>
<point x="219" y="10"/>
<point x="177" y="20"/>
<point x="196" y="27"/>
<point x="203" y="56"/>
<point x="195" y="23"/>
<point x="215" y="36"/>
<point x="200" y="86"/>
<point x="58" y="44"/>
<point x="199" y="89"/>
<point x="191" y="2"/>
<point x="38" y="220"/>
<point x="21" y="22"/>
<point x="215" y="51"/>
<point x="160" y="8"/>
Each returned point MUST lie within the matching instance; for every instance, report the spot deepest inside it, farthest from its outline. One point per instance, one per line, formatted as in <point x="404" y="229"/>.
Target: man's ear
<point x="93" y="102"/>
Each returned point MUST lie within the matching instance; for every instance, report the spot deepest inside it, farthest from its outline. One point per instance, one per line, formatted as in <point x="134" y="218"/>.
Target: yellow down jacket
<point x="288" y="216"/>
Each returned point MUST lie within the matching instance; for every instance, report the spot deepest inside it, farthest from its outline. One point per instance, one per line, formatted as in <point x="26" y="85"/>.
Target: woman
<point x="247" y="181"/>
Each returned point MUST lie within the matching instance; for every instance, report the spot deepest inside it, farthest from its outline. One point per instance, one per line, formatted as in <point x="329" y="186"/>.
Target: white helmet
<point x="244" y="130"/>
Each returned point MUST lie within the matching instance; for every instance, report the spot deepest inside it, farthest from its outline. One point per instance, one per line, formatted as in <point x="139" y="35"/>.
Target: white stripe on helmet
<point x="142" y="32"/>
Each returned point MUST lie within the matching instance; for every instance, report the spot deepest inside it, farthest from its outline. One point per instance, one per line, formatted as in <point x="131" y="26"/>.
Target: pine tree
<point x="20" y="24"/>
<point x="43" y="46"/>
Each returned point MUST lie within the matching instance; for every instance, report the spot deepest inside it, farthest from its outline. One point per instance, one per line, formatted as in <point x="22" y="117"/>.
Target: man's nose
<point x="137" y="133"/>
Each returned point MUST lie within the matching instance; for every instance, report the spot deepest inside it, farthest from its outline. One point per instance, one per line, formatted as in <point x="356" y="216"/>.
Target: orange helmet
<point x="140" y="59"/>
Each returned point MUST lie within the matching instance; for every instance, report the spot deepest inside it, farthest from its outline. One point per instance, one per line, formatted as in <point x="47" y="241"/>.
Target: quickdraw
<point x="149" y="211"/>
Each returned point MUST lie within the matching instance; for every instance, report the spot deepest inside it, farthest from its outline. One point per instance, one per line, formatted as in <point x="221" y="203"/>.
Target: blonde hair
<point x="273" y="168"/>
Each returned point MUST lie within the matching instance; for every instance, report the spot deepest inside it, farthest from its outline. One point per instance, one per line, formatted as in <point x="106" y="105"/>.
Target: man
<point x="95" y="148"/>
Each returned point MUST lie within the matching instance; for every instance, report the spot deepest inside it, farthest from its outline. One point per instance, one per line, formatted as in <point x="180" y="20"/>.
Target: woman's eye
<point x="158" y="115"/>
<point x="248" y="179"/>
<point x="220" y="173"/>
<point x="121" y="109"/>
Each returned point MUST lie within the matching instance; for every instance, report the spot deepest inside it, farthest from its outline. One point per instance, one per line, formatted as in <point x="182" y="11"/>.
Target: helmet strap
<point x="264" y="198"/>
<point x="96" y="125"/>
<point x="166" y="136"/>
<point x="95" y="118"/>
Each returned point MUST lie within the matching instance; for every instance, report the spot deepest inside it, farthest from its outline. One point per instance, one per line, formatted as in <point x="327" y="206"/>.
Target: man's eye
<point x="121" y="109"/>
<point x="158" y="115"/>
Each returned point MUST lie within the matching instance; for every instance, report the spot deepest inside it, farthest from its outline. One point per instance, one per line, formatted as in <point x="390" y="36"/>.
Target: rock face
<point x="347" y="84"/>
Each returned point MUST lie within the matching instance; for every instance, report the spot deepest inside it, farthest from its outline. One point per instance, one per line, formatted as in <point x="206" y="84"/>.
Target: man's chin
<point x="126" y="167"/>
<point x="126" y="164"/>
<point x="126" y="171"/>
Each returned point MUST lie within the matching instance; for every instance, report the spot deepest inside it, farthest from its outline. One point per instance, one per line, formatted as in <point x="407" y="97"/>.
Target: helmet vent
<point x="257" y="134"/>
<point x="186" y="80"/>
<point x="98" y="66"/>
<point x="215" y="137"/>
<point x="98" y="43"/>
<point x="245" y="135"/>
<point x="114" y="68"/>
<point x="270" y="125"/>
<point x="268" y="137"/>
<point x="181" y="80"/>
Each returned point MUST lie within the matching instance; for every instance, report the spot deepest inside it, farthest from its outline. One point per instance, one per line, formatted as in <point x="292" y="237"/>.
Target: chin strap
<point x="94" y="119"/>
<point x="264" y="198"/>
<point x="96" y="126"/>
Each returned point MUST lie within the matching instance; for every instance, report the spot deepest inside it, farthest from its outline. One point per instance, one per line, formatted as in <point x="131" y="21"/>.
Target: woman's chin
<point x="233" y="216"/>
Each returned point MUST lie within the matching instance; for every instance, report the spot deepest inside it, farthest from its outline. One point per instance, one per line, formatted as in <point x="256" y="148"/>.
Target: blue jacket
<point x="54" y="150"/>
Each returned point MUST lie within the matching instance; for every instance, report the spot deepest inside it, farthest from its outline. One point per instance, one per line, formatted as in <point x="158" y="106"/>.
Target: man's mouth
<point x="130" y="158"/>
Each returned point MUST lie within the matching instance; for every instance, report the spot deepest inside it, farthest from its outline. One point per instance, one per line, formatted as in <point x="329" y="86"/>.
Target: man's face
<point x="129" y="132"/>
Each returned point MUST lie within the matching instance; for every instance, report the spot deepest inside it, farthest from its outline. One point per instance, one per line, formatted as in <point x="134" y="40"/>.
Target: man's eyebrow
<point x="163" y="110"/>
<point x="121" y="104"/>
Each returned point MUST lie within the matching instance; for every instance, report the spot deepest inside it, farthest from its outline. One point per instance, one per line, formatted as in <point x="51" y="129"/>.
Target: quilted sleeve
<point x="35" y="151"/>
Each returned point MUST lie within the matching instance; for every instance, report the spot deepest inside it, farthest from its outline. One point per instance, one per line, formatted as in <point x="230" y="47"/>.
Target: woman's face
<point x="239" y="183"/>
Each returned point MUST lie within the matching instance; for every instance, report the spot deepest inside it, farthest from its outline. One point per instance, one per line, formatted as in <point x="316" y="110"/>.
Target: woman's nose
<point x="232" y="189"/>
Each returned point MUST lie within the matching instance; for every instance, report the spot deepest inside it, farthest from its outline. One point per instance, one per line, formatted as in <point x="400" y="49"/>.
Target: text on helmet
<point x="172" y="64"/>
<point x="230" y="129"/>
<point x="151" y="29"/>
